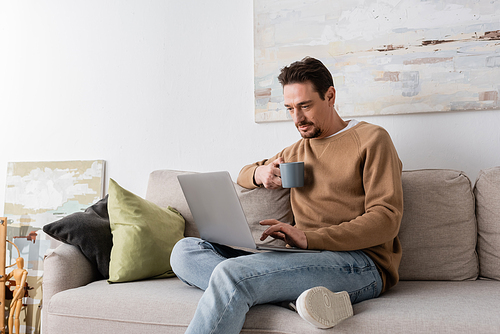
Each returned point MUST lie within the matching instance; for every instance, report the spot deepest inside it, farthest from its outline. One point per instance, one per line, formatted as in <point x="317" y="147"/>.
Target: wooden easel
<point x="3" y="243"/>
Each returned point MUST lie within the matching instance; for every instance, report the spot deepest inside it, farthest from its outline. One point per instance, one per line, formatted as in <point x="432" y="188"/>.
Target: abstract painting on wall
<point x="386" y="56"/>
<point x="38" y="193"/>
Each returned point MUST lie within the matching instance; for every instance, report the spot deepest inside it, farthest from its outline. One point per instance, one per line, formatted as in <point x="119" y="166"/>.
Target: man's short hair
<point x="307" y="69"/>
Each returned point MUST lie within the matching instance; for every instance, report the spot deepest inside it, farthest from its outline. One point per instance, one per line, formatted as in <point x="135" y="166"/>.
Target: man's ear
<point x="330" y="96"/>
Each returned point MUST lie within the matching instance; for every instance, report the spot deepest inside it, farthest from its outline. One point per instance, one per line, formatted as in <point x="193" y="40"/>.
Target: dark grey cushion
<point x="89" y="231"/>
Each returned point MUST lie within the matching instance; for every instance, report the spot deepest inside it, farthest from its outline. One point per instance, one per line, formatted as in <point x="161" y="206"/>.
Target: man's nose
<point x="298" y="115"/>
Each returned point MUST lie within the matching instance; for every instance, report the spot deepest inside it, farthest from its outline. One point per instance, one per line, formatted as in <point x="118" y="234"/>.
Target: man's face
<point x="312" y="115"/>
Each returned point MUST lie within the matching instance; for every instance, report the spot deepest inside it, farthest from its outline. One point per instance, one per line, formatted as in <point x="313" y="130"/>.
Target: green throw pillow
<point x="143" y="236"/>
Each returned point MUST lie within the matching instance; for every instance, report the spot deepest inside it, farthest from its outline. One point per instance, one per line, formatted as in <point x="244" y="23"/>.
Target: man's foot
<point x="322" y="308"/>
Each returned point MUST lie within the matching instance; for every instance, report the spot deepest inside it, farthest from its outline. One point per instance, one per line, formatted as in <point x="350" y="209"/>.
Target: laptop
<point x="218" y="213"/>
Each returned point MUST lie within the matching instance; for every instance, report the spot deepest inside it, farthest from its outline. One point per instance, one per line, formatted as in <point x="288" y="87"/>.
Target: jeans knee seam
<point x="225" y="309"/>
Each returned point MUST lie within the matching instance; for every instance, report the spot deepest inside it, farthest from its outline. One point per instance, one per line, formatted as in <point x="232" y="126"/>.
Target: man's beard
<point x="314" y="134"/>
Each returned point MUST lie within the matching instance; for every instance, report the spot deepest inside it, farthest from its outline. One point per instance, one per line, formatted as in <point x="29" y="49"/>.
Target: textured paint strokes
<point x="386" y="57"/>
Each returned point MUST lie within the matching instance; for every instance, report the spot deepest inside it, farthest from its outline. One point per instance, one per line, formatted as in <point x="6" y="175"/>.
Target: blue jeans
<point x="236" y="280"/>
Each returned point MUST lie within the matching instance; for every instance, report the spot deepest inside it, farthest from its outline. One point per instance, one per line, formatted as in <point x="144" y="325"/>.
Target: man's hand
<point x="269" y="175"/>
<point x="278" y="230"/>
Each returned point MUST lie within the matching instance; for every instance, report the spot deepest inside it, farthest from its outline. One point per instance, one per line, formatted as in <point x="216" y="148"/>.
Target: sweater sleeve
<point x="246" y="175"/>
<point x="383" y="208"/>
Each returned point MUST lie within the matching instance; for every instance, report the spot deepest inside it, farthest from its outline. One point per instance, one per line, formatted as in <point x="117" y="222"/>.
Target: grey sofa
<point x="450" y="271"/>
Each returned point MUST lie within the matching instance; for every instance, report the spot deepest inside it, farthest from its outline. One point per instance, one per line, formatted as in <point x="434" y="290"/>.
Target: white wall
<point x="159" y="84"/>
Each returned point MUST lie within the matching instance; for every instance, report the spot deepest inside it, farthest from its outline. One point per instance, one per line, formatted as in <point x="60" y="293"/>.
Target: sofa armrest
<point x="65" y="268"/>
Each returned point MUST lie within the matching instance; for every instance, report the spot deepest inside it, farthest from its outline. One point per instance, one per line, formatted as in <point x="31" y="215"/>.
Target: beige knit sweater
<point x="352" y="197"/>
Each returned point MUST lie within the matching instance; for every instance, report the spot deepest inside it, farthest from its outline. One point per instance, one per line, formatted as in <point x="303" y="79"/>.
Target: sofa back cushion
<point x="487" y="192"/>
<point x="258" y="204"/>
<point x="438" y="228"/>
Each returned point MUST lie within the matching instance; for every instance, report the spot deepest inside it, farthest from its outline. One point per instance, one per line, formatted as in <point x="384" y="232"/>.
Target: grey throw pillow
<point x="89" y="231"/>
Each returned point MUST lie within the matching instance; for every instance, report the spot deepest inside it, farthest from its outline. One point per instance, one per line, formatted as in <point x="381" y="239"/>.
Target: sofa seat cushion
<point x="432" y="307"/>
<point x="167" y="306"/>
<point x="131" y="307"/>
